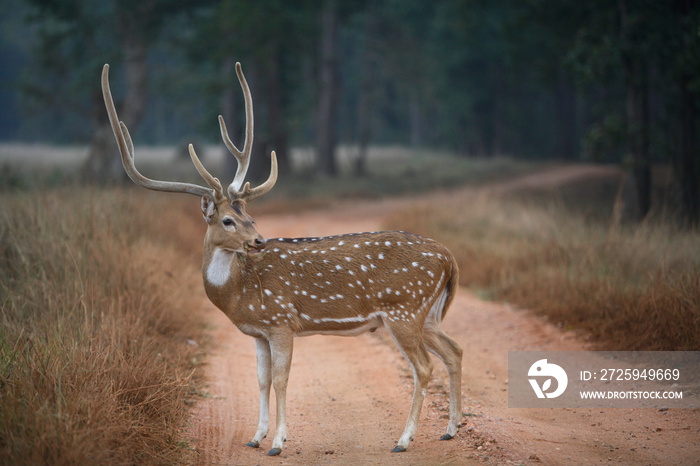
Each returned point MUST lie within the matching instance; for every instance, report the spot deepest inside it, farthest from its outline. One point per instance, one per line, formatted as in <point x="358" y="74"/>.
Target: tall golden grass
<point x="97" y="297"/>
<point x="627" y="287"/>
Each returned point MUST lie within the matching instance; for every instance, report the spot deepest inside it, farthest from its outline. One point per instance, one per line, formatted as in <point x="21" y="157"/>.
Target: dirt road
<point x="348" y="397"/>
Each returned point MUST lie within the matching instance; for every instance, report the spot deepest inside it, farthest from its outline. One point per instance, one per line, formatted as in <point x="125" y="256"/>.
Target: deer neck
<point x="222" y="270"/>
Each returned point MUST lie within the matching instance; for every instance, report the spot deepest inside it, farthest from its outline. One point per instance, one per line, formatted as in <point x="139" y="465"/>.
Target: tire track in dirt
<point x="348" y="397"/>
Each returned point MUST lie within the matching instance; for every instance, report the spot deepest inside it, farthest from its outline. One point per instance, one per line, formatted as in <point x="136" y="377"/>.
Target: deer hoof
<point x="398" y="449"/>
<point x="274" y="452"/>
<point x="447" y="437"/>
<point x="252" y="444"/>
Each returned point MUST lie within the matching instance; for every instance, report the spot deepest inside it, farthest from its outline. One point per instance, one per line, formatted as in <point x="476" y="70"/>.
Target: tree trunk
<point x="363" y="122"/>
<point x="103" y="155"/>
<point x="103" y="163"/>
<point x="365" y="101"/>
<point x="275" y="106"/>
<point x="687" y="167"/>
<point x="637" y="79"/>
<point x="638" y="137"/>
<point x="135" y="52"/>
<point x="328" y="98"/>
<point x="415" y="120"/>
<point x="566" y="119"/>
<point x="498" y="137"/>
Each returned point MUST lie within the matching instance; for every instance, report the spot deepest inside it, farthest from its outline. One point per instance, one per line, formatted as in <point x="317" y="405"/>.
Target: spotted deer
<point x="276" y="289"/>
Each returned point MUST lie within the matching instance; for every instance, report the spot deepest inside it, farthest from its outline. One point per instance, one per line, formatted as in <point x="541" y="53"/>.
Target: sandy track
<point x="348" y="397"/>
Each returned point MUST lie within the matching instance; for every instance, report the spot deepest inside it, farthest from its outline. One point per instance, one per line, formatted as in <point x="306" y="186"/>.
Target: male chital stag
<point x="276" y="289"/>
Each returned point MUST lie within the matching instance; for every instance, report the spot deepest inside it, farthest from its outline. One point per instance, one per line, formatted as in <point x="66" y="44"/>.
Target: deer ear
<point x="208" y="207"/>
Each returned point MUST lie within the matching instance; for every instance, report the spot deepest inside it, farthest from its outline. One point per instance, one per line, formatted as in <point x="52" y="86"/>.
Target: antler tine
<point x="208" y="177"/>
<point x="127" y="137"/>
<point x="248" y="194"/>
<point x="243" y="161"/>
<point x="126" y="149"/>
<point x="243" y="156"/>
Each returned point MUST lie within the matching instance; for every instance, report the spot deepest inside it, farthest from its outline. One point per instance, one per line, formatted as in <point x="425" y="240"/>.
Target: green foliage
<point x="527" y="79"/>
<point x="604" y="137"/>
<point x="478" y="75"/>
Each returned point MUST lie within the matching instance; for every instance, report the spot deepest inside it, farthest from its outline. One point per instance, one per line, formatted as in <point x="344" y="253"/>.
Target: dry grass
<point x="96" y="295"/>
<point x="634" y="287"/>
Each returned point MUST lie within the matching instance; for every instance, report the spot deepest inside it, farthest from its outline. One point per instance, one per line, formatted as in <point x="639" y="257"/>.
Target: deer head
<point x="229" y="226"/>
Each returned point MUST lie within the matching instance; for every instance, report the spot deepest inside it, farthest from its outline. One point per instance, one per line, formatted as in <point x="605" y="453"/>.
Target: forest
<point x="613" y="82"/>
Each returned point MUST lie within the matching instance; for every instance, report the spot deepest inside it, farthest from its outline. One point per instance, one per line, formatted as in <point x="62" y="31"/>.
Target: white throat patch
<point x="219" y="270"/>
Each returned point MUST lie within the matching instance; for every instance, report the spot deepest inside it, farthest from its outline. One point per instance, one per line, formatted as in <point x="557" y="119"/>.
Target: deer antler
<point x="211" y="180"/>
<point x="126" y="148"/>
<point x="248" y="194"/>
<point x="236" y="190"/>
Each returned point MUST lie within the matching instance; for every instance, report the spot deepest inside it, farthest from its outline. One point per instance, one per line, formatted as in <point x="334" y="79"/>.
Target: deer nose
<point x="259" y="242"/>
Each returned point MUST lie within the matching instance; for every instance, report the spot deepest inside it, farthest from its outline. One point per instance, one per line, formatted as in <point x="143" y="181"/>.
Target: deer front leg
<point x="262" y="348"/>
<point x="281" y="351"/>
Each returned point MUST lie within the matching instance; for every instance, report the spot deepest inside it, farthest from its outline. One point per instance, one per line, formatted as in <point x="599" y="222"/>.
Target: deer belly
<point x="343" y="327"/>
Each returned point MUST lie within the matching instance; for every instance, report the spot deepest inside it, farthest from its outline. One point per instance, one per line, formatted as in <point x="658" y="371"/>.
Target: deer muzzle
<point x="255" y="247"/>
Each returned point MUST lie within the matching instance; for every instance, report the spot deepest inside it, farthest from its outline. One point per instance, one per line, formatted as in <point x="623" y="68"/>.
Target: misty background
<point x="611" y="82"/>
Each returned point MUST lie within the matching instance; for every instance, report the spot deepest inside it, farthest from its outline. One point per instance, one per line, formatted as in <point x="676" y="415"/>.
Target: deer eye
<point x="228" y="222"/>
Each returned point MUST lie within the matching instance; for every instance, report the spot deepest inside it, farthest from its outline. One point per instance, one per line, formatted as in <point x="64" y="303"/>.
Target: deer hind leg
<point x="262" y="348"/>
<point x="450" y="353"/>
<point x="281" y="352"/>
<point x="417" y="355"/>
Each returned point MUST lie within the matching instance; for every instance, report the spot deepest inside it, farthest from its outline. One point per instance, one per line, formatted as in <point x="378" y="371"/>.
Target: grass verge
<point x="630" y="287"/>
<point x="96" y="295"/>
